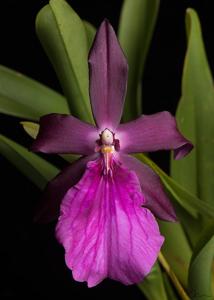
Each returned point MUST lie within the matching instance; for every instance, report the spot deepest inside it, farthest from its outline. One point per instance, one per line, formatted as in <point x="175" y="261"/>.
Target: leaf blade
<point x="177" y="249"/>
<point x="195" y="116"/>
<point x="136" y="27"/>
<point x="26" y="98"/>
<point x="200" y="272"/>
<point x="90" y="32"/>
<point x="192" y="204"/>
<point x="153" y="286"/>
<point x="64" y="39"/>
<point x="38" y="170"/>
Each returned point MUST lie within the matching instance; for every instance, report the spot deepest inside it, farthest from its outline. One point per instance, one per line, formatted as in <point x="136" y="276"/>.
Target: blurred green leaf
<point x="192" y="226"/>
<point x="136" y="26"/>
<point x="178" y="194"/>
<point x="63" y="36"/>
<point x="176" y="283"/>
<point x="195" y="117"/>
<point x="169" y="289"/>
<point x="25" y="98"/>
<point x="177" y="249"/>
<point x="152" y="286"/>
<point x="35" y="168"/>
<point x="200" y="272"/>
<point x="90" y="31"/>
<point x="32" y="130"/>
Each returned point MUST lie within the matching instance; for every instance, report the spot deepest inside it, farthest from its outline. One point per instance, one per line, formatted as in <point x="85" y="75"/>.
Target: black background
<point x="32" y="262"/>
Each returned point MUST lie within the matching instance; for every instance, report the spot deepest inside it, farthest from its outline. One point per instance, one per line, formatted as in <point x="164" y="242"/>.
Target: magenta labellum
<point x="106" y="201"/>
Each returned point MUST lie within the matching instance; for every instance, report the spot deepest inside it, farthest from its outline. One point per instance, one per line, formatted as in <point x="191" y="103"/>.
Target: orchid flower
<point x="108" y="199"/>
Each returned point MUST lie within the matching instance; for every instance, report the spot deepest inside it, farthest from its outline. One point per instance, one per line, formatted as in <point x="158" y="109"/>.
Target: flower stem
<point x="173" y="277"/>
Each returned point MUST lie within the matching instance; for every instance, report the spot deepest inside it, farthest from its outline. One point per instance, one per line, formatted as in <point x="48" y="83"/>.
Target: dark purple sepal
<point x="108" y="78"/>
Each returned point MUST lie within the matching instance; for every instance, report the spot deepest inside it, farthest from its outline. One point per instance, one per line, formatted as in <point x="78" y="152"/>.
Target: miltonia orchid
<point x="107" y="197"/>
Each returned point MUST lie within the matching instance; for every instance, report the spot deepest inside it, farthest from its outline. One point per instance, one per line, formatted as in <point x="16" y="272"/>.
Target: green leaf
<point x="177" y="249"/>
<point x="152" y="286"/>
<point x="90" y="32"/>
<point x="200" y="272"/>
<point x="136" y="26"/>
<point x="25" y="98"/>
<point x="192" y="226"/>
<point x="35" y="168"/>
<point x="169" y="289"/>
<point x="63" y="36"/>
<point x="179" y="288"/>
<point x="178" y="194"/>
<point x="32" y="130"/>
<point x="195" y="116"/>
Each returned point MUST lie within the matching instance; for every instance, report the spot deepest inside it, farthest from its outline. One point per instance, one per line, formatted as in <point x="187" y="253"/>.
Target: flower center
<point x="107" y="137"/>
<point x="107" y="145"/>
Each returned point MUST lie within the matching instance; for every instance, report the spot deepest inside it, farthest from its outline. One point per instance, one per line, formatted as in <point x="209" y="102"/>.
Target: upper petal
<point x="151" y="133"/>
<point x="155" y="197"/>
<point x="65" y="134"/>
<point x="47" y="209"/>
<point x="104" y="230"/>
<point x="108" y="78"/>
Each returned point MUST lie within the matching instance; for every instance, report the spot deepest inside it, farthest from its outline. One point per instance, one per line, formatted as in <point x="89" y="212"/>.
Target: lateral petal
<point x="151" y="133"/>
<point x="65" y="134"/>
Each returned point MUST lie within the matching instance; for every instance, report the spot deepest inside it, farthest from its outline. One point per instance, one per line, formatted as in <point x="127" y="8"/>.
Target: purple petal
<point x="152" y="133"/>
<point x="155" y="197"/>
<point x="65" y="134"/>
<point x="108" y="78"/>
<point x="48" y="208"/>
<point x="104" y="230"/>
